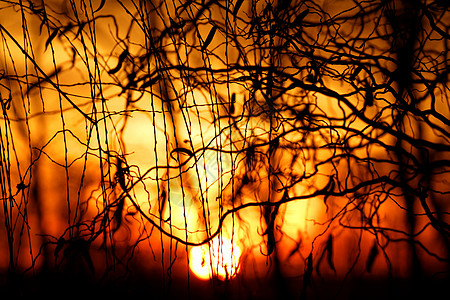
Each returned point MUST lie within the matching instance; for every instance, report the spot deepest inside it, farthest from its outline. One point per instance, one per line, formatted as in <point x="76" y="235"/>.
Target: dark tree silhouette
<point x="314" y="134"/>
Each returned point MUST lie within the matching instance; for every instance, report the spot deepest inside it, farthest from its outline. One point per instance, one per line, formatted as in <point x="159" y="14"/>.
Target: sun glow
<point x="219" y="258"/>
<point x="312" y="137"/>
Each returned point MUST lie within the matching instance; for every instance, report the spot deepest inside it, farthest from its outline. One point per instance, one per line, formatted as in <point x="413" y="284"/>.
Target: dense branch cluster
<point x="170" y="123"/>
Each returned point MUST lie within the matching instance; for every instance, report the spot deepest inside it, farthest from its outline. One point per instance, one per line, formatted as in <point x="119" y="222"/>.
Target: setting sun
<point x="219" y="258"/>
<point x="278" y="149"/>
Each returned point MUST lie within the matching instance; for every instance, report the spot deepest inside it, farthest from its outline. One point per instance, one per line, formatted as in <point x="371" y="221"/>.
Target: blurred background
<point x="225" y="149"/>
